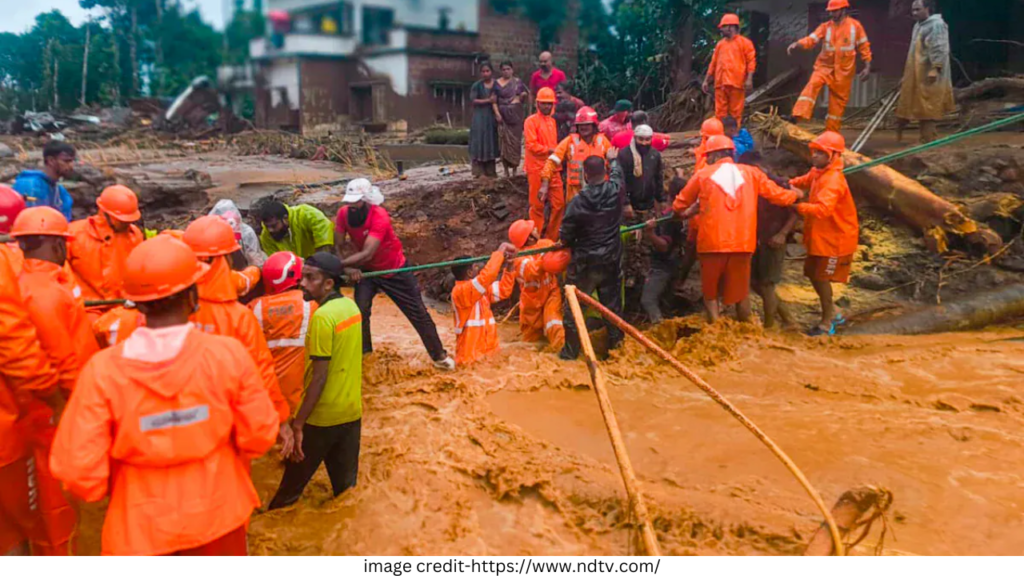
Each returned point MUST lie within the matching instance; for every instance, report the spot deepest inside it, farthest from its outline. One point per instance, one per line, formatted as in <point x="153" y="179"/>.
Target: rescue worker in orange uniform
<point x="727" y="238"/>
<point x="541" y="136"/>
<point x="572" y="152"/>
<point x="476" y="332"/>
<point x="102" y="243"/>
<point x="54" y="303"/>
<point x="710" y="127"/>
<point x="831" y="228"/>
<point x="540" y="298"/>
<point x="166" y="423"/>
<point x="284" y="316"/>
<point x="116" y="325"/>
<point x="843" y="38"/>
<point x="219" y="312"/>
<point x="731" y="70"/>
<point x="26" y="375"/>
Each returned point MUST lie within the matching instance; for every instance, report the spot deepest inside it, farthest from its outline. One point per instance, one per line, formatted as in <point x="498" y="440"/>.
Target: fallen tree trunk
<point x="982" y="87"/>
<point x="978" y="311"/>
<point x="849" y="509"/>
<point x="890" y="190"/>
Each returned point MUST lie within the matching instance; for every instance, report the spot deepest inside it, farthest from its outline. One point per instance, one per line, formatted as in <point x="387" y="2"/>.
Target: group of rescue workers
<point x="161" y="402"/>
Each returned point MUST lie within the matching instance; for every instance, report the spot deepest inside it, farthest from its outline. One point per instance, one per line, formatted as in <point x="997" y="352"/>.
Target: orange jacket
<point x="246" y="280"/>
<point x="116" y="325"/>
<point x="169" y="441"/>
<point x="62" y="325"/>
<point x="24" y="366"/>
<point x="284" y="319"/>
<point x="97" y="256"/>
<point x="535" y="285"/>
<point x="476" y="332"/>
<point x="574" y="150"/>
<point x="540" y="133"/>
<point x="830" y="215"/>
<point x="733" y="62"/>
<point x="221" y="313"/>
<point x="841" y="43"/>
<point x="728" y="205"/>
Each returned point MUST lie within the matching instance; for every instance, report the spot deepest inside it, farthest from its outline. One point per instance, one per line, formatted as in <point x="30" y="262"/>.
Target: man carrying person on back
<point x="42" y="187"/>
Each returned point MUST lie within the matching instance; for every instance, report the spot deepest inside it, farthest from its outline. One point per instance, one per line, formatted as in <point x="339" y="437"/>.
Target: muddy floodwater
<point x="511" y="457"/>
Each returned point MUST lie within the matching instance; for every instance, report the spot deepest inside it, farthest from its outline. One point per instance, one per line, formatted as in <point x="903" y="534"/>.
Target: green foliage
<point x="191" y="48"/>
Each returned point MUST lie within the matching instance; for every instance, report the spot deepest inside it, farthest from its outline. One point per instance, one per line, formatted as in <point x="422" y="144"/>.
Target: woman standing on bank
<point x="483" y="133"/>
<point x="512" y="94"/>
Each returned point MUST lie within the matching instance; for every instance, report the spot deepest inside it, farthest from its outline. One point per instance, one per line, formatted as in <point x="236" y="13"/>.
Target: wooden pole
<point x="618" y="444"/>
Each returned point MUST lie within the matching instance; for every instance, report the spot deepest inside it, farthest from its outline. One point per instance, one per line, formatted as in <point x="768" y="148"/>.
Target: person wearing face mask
<point x="376" y="248"/>
<point x="642" y="166"/>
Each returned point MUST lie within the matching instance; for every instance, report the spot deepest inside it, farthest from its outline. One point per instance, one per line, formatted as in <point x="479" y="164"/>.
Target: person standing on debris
<point x="220" y="312"/>
<point x="927" y="84"/>
<point x="328" y="423"/>
<point x="377" y="248"/>
<point x="546" y="75"/>
<point x="284" y="316"/>
<point x="564" y="92"/>
<point x="741" y="137"/>
<point x="512" y="97"/>
<point x="166" y="423"/>
<point x="774" y="225"/>
<point x="484" y="148"/>
<point x="101" y="245"/>
<point x="540" y="297"/>
<point x="843" y="38"/>
<point x="541" y="133"/>
<point x="476" y="332"/>
<point x="728" y="224"/>
<point x="639" y="118"/>
<point x="43" y="187"/>
<point x="831" y="228"/>
<point x="301" y="229"/>
<point x="732" y="69"/>
<point x="570" y="154"/>
<point x="591" y="231"/>
<point x="619" y="121"/>
<point x="644" y="172"/>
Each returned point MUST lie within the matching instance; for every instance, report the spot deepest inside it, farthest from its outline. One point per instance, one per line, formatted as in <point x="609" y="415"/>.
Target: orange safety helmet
<point x="519" y="232"/>
<point x="11" y="204"/>
<point x="834" y="5"/>
<point x="586" y="115"/>
<point x="556" y="262"/>
<point x="281" y="271"/>
<point x="159" y="268"/>
<point x="210" y="236"/>
<point x="712" y="127"/>
<point x="40" y="221"/>
<point x="719" y="142"/>
<point x="729" y="20"/>
<point x="830" y="142"/>
<point x="546" y="95"/>
<point x="120" y="203"/>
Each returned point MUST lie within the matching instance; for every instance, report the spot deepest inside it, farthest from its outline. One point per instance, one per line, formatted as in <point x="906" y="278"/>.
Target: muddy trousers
<point x="404" y="291"/>
<point x="659" y="279"/>
<point x="336" y="446"/>
<point x="607" y="280"/>
<point x="533" y="179"/>
<point x="837" y="99"/>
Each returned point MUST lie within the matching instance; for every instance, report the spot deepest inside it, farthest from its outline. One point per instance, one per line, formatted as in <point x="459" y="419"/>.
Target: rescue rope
<point x="837" y="539"/>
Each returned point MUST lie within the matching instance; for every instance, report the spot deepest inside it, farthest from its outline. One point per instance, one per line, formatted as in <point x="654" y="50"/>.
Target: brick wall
<point x="422" y="39"/>
<point x="324" y="93"/>
<point x="512" y="37"/>
<point x="421" y="107"/>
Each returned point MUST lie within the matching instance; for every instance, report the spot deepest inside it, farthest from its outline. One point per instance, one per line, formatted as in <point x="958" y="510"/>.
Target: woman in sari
<point x="483" y="132"/>
<point x="512" y="96"/>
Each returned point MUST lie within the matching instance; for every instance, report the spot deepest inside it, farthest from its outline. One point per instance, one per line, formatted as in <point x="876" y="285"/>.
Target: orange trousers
<point x="729" y="101"/>
<point x="838" y="96"/>
<point x="234" y="543"/>
<point x="56" y="532"/>
<point x="17" y="518"/>
<point x="559" y="198"/>
<point x="543" y="319"/>
<point x="555" y="190"/>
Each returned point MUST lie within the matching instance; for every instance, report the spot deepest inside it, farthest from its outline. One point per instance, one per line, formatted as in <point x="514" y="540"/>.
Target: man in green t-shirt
<point x="301" y="229"/>
<point x="327" y="423"/>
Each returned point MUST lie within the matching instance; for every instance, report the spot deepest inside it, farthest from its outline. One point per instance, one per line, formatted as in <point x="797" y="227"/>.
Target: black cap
<point x="329" y="264"/>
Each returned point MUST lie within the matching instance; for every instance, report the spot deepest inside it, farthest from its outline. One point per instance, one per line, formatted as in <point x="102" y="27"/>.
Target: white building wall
<point x="284" y="74"/>
<point x="394" y="66"/>
<point x="463" y="14"/>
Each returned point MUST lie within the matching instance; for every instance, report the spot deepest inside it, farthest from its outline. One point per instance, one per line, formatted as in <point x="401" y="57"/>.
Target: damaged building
<point x="385" y="64"/>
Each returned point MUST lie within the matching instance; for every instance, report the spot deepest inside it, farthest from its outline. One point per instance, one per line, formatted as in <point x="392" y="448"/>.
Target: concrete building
<point x="385" y="64"/>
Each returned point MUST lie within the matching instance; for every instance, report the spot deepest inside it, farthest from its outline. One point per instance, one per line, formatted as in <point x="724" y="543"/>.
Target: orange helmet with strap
<point x="159" y="268"/>
<point x="720" y="142"/>
<point x="830" y="142"/>
<point x="120" y="203"/>
<point x="834" y="5"/>
<point x="281" y="272"/>
<point x="519" y="232"/>
<point x="729" y="20"/>
<point x="210" y="236"/>
<point x="40" y="221"/>
<point x="546" y="95"/>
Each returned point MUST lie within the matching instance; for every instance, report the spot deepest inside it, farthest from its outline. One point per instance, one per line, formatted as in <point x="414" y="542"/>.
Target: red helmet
<point x="586" y="115"/>
<point x="11" y="203"/>
<point x="830" y="142"/>
<point x="281" y="272"/>
<point x="519" y="232"/>
<point x="712" y="127"/>
<point x="729" y="20"/>
<point x="837" y="5"/>
<point x="556" y="262"/>
<point x="719" y="142"/>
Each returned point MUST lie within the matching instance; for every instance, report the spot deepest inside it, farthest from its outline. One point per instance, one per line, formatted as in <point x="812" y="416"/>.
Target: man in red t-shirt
<point x="378" y="248"/>
<point x="547" y="76"/>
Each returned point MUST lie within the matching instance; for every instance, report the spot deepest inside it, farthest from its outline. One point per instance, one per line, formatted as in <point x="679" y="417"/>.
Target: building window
<point x="333" y="19"/>
<point x="451" y="95"/>
<point x="377" y="22"/>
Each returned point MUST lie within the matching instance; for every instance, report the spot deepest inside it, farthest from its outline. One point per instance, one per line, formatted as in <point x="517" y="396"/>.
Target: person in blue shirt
<point x="740" y="136"/>
<point x="42" y="187"/>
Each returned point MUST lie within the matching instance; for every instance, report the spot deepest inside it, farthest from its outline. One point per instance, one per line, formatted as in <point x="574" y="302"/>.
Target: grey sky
<point x="19" y="15"/>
